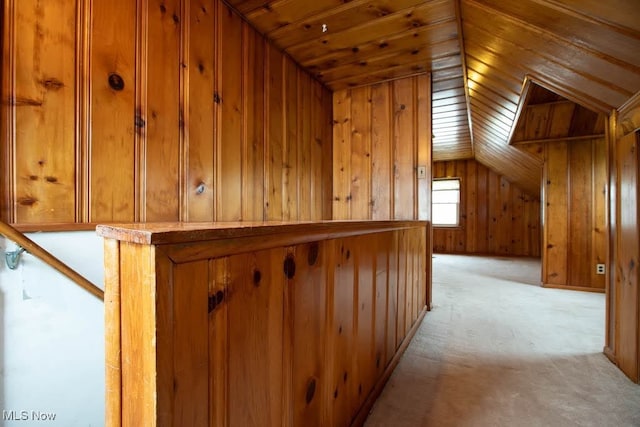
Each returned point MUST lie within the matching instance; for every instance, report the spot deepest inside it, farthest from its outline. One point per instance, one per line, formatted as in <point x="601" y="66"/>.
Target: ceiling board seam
<point x="507" y="105"/>
<point x="490" y="109"/>
<point x="465" y="76"/>
<point x="392" y="37"/>
<point x="373" y="60"/>
<point x="587" y="76"/>
<point x="325" y="15"/>
<point x="487" y="88"/>
<point x="377" y="22"/>
<point x="387" y="80"/>
<point x="346" y="80"/>
<point x="592" y="19"/>
<point x="269" y="42"/>
<point x="560" y="39"/>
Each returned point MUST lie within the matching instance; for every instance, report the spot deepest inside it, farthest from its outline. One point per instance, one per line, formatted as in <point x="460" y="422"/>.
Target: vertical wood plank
<point x="382" y="248"/>
<point x="138" y="354"/>
<point x="161" y="119"/>
<point x="275" y="136"/>
<point x="423" y="139"/>
<point x="230" y="145"/>
<point x="504" y="220"/>
<point x="627" y="250"/>
<point x="111" y="148"/>
<point x="599" y="228"/>
<point x="483" y="210"/>
<point x="7" y="112"/>
<point x="45" y="115"/>
<point x="341" y="334"/>
<point x="218" y="345"/>
<point x="317" y="146"/>
<point x="255" y="348"/>
<point x="191" y="331"/>
<point x="327" y="154"/>
<point x="342" y="155"/>
<point x="404" y="144"/>
<point x="304" y="166"/>
<point x="307" y="295"/>
<point x="471" y="193"/>
<point x="392" y="298"/>
<point x="253" y="203"/>
<point x="290" y="196"/>
<point x="364" y="360"/>
<point x="580" y="204"/>
<point x="401" y="326"/>
<point x="199" y="113"/>
<point x="113" y="342"/>
<point x="360" y="167"/>
<point x="555" y="260"/>
<point x="381" y="152"/>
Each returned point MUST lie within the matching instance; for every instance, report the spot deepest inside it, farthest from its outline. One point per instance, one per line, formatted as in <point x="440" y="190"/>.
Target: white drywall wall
<point x="52" y="335"/>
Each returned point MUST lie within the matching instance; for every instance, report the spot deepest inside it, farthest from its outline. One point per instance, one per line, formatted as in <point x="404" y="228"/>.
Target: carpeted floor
<point x="498" y="350"/>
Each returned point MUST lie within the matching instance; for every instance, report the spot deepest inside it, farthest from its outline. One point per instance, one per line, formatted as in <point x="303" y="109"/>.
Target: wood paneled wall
<point x="623" y="293"/>
<point x="299" y="325"/>
<point x="496" y="217"/>
<point x="575" y="230"/>
<point x="154" y="110"/>
<point x="381" y="134"/>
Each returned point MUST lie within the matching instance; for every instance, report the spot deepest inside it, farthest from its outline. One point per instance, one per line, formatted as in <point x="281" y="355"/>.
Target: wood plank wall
<point x="155" y="111"/>
<point x="575" y="232"/>
<point x="496" y="217"/>
<point x="381" y="133"/>
<point x="623" y="291"/>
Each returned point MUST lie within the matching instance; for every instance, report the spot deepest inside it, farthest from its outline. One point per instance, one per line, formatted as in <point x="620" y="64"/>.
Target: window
<point x="445" y="202"/>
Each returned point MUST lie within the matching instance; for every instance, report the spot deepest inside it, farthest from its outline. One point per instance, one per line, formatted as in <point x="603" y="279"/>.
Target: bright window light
<point x="445" y="202"/>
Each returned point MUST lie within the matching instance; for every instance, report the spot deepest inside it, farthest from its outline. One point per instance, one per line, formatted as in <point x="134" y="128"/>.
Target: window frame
<point x="458" y="204"/>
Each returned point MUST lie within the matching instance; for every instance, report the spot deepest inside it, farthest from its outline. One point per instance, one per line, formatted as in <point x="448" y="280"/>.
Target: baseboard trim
<point x="363" y="413"/>
<point x="574" y="288"/>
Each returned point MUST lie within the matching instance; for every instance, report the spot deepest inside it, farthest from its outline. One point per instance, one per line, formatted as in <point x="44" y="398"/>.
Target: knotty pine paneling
<point x="623" y="298"/>
<point x="575" y="193"/>
<point x="156" y="111"/>
<point x="626" y="295"/>
<point x="381" y="134"/>
<point x="496" y="217"/>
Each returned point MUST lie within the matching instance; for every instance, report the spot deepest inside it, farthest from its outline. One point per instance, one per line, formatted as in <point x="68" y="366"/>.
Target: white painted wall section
<point x="52" y="336"/>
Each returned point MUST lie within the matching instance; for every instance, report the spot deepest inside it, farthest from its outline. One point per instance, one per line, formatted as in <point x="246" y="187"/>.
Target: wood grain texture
<point x="190" y="330"/>
<point x="341" y="334"/>
<point x="296" y="333"/>
<point x="575" y="214"/>
<point x="191" y="126"/>
<point x="43" y="97"/>
<point x="380" y="136"/>
<point x="160" y="111"/>
<point x="112" y="154"/>
<point x="255" y="339"/>
<point x="198" y="108"/>
<point x="308" y="301"/>
<point x="138" y="354"/>
<point x="627" y="296"/>
<point x="496" y="217"/>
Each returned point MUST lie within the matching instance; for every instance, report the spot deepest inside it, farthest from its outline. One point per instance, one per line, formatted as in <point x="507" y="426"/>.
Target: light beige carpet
<point x="498" y="350"/>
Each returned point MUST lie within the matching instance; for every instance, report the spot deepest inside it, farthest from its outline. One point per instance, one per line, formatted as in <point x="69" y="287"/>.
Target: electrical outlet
<point x="422" y="172"/>
<point x="599" y="268"/>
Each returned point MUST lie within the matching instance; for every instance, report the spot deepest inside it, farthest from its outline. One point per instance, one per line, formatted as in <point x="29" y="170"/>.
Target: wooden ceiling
<point x="480" y="54"/>
<point x="549" y="117"/>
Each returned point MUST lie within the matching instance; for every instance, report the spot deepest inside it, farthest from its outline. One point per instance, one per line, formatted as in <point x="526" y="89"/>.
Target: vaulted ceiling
<point x="483" y="56"/>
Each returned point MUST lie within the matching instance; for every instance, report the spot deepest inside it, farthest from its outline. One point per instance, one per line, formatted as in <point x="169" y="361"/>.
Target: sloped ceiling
<point x="480" y="53"/>
<point x="548" y="117"/>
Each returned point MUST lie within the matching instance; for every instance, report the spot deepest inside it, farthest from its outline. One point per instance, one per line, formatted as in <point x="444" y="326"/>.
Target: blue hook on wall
<point x="13" y="257"/>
